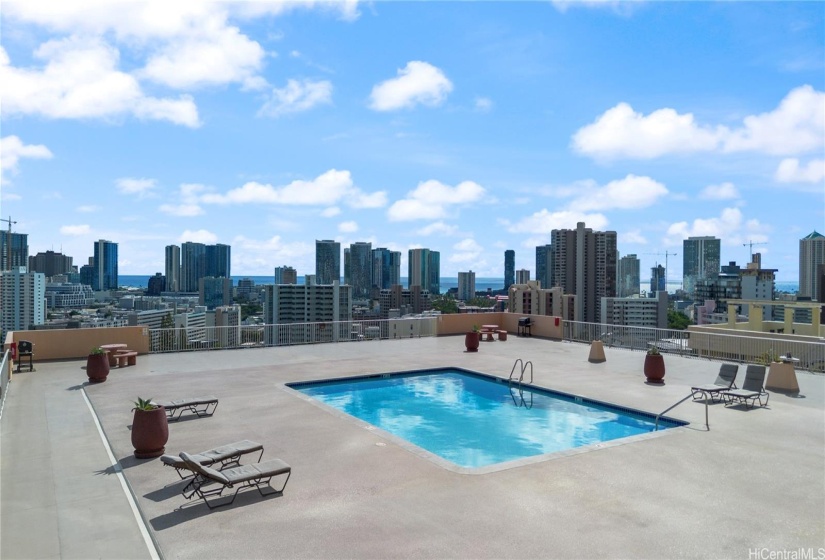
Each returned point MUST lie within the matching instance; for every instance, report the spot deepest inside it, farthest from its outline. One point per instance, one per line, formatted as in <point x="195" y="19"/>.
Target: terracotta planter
<point x="471" y="340"/>
<point x="97" y="367"/>
<point x="655" y="368"/>
<point x="150" y="432"/>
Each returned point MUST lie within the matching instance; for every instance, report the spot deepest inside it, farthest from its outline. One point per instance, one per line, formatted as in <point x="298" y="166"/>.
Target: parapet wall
<point x="63" y="344"/>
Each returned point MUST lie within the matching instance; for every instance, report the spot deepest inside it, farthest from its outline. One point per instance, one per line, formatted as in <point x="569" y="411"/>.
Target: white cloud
<point x="417" y="83"/>
<point x="83" y="229"/>
<point x="730" y="226"/>
<point x="483" y="104"/>
<point x="183" y="210"/>
<point x="198" y="236"/>
<point x="88" y="209"/>
<point x="330" y="212"/>
<point x="796" y="126"/>
<point x="632" y="236"/>
<point x="348" y="227"/>
<point x="80" y="80"/>
<point x="724" y="191"/>
<point x="628" y="193"/>
<point x="140" y="187"/>
<point x="255" y="255"/>
<point x="437" y="228"/>
<point x="430" y="200"/>
<point x="543" y="222"/>
<point x="466" y="251"/>
<point x="297" y="96"/>
<point x="328" y="188"/>
<point x="6" y="196"/>
<point x="623" y="133"/>
<point x="790" y="171"/>
<point x="12" y="149"/>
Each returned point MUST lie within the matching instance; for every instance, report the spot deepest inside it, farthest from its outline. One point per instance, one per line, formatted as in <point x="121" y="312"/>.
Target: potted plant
<point x="472" y="338"/>
<point x="97" y="365"/>
<point x="150" y="429"/>
<point x="654" y="365"/>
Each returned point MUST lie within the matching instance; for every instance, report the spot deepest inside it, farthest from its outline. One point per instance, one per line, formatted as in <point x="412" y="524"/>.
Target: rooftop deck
<point x="755" y="481"/>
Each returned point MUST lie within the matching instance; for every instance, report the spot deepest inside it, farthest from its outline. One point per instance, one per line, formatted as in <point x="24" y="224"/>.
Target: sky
<point x="466" y="127"/>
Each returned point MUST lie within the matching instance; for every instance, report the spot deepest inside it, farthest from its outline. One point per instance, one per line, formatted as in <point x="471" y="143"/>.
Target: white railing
<point x="289" y="334"/>
<point x="5" y="377"/>
<point x="691" y="344"/>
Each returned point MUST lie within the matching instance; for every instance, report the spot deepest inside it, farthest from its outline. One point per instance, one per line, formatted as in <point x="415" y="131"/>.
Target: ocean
<point x="482" y="284"/>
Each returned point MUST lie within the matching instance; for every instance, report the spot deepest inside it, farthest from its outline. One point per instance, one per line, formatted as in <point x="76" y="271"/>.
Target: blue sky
<point x="465" y="127"/>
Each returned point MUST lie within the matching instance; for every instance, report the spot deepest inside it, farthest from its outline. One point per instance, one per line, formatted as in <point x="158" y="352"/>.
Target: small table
<point x="112" y="349"/>
<point x="489" y="330"/>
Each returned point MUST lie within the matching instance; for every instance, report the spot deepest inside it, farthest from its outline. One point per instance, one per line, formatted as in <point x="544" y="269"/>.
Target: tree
<point x="677" y="320"/>
<point x="445" y="304"/>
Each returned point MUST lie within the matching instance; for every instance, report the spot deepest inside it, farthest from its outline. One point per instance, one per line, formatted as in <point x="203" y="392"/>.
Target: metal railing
<point x="289" y="334"/>
<point x="701" y="345"/>
<point x="5" y="377"/>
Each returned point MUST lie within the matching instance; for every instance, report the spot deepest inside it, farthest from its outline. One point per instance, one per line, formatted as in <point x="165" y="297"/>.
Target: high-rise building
<point x="50" y="263"/>
<point x="219" y="260"/>
<point x="629" y="277"/>
<point x="358" y="269"/>
<point x="530" y="298"/>
<point x="327" y="262"/>
<point x="509" y="268"/>
<point x="246" y="289"/>
<point x="404" y="301"/>
<point x="23" y="296"/>
<point x="286" y="275"/>
<point x="105" y="266"/>
<point x="584" y="264"/>
<point x="522" y="276"/>
<point x="700" y="260"/>
<point x="758" y="284"/>
<point x="466" y="285"/>
<point x="172" y="268"/>
<point x="214" y="292"/>
<point x="424" y="269"/>
<point x="386" y="268"/>
<point x="544" y="265"/>
<point x="811" y="255"/>
<point x="14" y="250"/>
<point x="156" y="285"/>
<point x="636" y="311"/>
<point x="658" y="282"/>
<point x="298" y="305"/>
<point x="192" y="265"/>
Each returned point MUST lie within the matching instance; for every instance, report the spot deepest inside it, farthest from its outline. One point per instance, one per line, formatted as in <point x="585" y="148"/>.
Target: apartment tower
<point x="327" y="262"/>
<point x="700" y="260"/>
<point x="629" y="278"/>
<point x="811" y="256"/>
<point x="104" y="274"/>
<point x="172" y="268"/>
<point x="509" y="268"/>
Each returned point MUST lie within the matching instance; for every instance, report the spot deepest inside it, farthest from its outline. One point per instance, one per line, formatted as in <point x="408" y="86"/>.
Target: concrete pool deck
<point x="754" y="482"/>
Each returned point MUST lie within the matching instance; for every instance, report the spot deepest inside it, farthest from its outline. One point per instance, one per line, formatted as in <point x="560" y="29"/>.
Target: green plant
<point x="653" y="351"/>
<point x="144" y="404"/>
<point x="97" y="350"/>
<point x="476" y="328"/>
<point x="767" y="357"/>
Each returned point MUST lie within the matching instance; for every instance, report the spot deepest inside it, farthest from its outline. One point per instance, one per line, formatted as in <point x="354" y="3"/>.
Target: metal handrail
<point x="521" y="372"/>
<point x="707" y="425"/>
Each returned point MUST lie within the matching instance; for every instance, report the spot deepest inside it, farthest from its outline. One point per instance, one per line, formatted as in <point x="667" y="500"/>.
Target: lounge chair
<point x="202" y="406"/>
<point x="255" y="475"/>
<point x="724" y="381"/>
<point x="221" y="457"/>
<point x="752" y="389"/>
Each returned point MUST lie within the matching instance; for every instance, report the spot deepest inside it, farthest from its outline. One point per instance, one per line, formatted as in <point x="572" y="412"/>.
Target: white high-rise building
<point x="466" y="285"/>
<point x="522" y="276"/>
<point x="23" y="299"/>
<point x="315" y="313"/>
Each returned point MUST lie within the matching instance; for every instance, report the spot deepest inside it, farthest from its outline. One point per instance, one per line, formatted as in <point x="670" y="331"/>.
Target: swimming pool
<point x="474" y="420"/>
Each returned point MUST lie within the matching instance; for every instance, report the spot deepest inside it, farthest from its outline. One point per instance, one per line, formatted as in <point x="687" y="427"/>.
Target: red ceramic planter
<point x="97" y="367"/>
<point x="150" y="432"/>
<point x="471" y="340"/>
<point x="655" y="368"/>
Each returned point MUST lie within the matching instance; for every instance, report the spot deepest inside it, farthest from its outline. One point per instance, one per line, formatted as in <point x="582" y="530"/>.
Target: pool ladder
<point x="518" y="399"/>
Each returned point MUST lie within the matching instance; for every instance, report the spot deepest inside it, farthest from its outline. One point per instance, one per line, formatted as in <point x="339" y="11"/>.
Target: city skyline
<point x="266" y="126"/>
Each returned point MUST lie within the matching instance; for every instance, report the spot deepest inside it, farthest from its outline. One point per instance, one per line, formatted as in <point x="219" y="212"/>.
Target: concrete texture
<point x="754" y="482"/>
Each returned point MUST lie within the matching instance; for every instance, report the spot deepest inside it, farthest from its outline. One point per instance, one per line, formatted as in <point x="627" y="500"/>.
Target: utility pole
<point x="8" y="243"/>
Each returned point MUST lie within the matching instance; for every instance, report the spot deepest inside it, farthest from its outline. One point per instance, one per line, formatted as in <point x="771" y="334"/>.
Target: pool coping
<point x="289" y="386"/>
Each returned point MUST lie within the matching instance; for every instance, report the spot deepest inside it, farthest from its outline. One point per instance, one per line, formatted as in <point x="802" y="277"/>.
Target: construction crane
<point x="750" y="244"/>
<point x="666" y="254"/>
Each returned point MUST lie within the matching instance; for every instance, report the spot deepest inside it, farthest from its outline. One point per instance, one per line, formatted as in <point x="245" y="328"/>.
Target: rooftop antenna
<point x="750" y="244"/>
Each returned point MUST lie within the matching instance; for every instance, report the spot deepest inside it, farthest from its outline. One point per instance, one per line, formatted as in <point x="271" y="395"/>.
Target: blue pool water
<point x="473" y="420"/>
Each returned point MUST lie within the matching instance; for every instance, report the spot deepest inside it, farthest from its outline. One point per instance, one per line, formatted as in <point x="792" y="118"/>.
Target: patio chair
<point x="753" y="388"/>
<point x="202" y="406"/>
<point x="222" y="457"/>
<point x="724" y="381"/>
<point x="257" y="475"/>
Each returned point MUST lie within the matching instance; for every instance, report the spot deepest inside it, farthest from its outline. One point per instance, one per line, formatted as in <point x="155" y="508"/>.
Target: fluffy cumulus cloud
<point x="724" y="191"/>
<point x="791" y="171"/>
<point x="418" y="83"/>
<point x="296" y="97"/>
<point x="348" y="227"/>
<point x="437" y="228"/>
<point x="328" y="189"/>
<point x="188" y="204"/>
<point x="258" y="255"/>
<point x="77" y="230"/>
<point x="432" y="199"/>
<point x="80" y="79"/>
<point x="629" y="193"/>
<point x="198" y="236"/>
<point x="139" y="187"/>
<point x="12" y="150"/>
<point x="543" y="222"/>
<point x="730" y="226"/>
<point x="796" y="126"/>
<point x="467" y="251"/>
